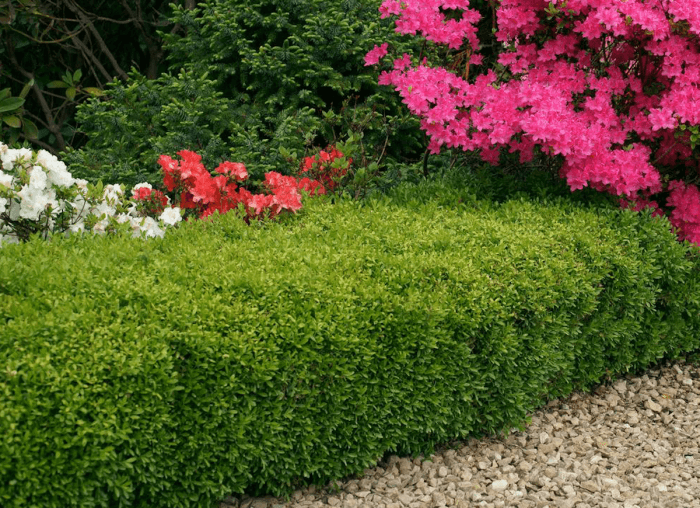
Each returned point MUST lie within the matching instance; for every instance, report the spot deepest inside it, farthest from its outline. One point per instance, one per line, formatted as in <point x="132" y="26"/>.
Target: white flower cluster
<point x="38" y="194"/>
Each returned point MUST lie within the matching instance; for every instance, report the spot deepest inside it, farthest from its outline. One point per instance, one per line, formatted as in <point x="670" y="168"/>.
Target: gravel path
<point x="634" y="444"/>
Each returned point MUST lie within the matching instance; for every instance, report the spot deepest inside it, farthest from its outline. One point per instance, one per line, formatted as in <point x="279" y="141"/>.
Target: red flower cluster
<point x="320" y="168"/>
<point x="198" y="190"/>
<point x="150" y="201"/>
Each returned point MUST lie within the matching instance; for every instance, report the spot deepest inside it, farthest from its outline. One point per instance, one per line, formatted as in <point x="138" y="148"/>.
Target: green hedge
<point x="173" y="372"/>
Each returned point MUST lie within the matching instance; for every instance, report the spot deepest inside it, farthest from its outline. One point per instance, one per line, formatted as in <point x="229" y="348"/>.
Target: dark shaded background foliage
<point x="101" y="40"/>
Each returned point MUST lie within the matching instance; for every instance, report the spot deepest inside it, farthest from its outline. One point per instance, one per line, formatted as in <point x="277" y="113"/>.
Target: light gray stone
<point x="499" y="485"/>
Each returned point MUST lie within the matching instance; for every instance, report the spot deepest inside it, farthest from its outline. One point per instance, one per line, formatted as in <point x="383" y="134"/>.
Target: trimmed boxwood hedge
<point x="225" y="357"/>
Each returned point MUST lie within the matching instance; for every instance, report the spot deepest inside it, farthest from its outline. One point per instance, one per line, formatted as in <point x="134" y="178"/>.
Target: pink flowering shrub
<point x="612" y="87"/>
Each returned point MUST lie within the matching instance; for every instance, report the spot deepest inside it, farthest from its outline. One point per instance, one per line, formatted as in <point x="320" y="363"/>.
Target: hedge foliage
<point x="173" y="372"/>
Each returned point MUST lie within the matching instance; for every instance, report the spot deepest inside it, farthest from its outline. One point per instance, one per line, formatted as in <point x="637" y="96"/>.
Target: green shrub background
<point x="224" y="357"/>
<point x="263" y="81"/>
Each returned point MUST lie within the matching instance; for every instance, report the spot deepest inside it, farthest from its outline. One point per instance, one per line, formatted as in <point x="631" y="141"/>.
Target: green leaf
<point x="30" y="129"/>
<point x="70" y="93"/>
<point x="10" y="104"/>
<point x="68" y="78"/>
<point x="4" y="93"/>
<point x="77" y="75"/>
<point x="26" y="88"/>
<point x="57" y="84"/>
<point x="94" y="91"/>
<point x="12" y="121"/>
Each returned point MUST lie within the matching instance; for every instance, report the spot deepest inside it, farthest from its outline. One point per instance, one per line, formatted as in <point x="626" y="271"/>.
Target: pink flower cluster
<point x="608" y="89"/>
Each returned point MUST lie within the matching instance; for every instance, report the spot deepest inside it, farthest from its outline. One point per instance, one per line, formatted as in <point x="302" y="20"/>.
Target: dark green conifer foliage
<point x="145" y="118"/>
<point x="280" y="65"/>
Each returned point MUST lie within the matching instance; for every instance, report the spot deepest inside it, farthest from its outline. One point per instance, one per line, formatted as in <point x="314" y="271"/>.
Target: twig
<point x="100" y="42"/>
<point x="80" y="45"/>
<point x="53" y="128"/>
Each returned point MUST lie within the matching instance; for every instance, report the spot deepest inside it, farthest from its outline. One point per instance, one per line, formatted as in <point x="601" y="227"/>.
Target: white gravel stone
<point x="633" y="444"/>
<point x="499" y="485"/>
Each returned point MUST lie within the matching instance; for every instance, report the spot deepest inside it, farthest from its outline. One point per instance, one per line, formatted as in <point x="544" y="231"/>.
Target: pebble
<point x="499" y="485"/>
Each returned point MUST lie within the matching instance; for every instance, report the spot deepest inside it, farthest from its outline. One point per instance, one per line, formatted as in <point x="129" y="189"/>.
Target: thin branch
<point x="89" y="55"/>
<point x="42" y="144"/>
<point x="69" y="36"/>
<point x="36" y="119"/>
<point x="100" y="42"/>
<point x="155" y="50"/>
<point x="53" y="128"/>
<point x="136" y="19"/>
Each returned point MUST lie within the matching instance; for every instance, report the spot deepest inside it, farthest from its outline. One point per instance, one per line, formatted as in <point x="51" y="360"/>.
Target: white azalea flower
<point x="37" y="178"/>
<point x="33" y="202"/>
<point x="81" y="184"/>
<point x="5" y="179"/>
<point x="150" y="226"/>
<point x="60" y="178"/>
<point x="104" y="207"/>
<point x="78" y="227"/>
<point x="50" y="162"/>
<point x="101" y="226"/>
<point x="113" y="192"/>
<point x="11" y="155"/>
<point x="46" y="174"/>
<point x="171" y="216"/>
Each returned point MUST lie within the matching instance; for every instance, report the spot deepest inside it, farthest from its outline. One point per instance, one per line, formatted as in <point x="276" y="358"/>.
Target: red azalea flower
<point x="313" y="187"/>
<point x="190" y="157"/>
<point x="235" y="169"/>
<point x="186" y="200"/>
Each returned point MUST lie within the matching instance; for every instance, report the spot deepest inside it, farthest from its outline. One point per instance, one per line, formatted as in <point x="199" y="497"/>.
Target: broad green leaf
<point x="12" y="121"/>
<point x="68" y="78"/>
<point x="30" y="129"/>
<point x="26" y="88"/>
<point x="70" y="93"/>
<point x="4" y="93"/>
<point x="77" y="75"/>
<point x="10" y="104"/>
<point x="57" y="84"/>
<point x="94" y="91"/>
